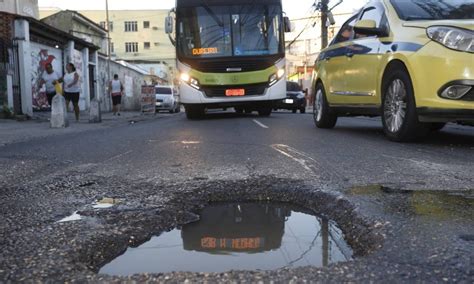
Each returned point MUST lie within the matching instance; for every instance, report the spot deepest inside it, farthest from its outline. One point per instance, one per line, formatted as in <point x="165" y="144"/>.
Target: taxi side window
<point x="346" y="32"/>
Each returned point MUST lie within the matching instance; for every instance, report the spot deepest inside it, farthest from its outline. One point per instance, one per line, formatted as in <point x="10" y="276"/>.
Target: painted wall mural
<point x="41" y="55"/>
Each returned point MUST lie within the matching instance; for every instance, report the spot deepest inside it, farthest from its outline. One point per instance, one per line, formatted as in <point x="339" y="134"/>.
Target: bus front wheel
<point x="194" y="112"/>
<point x="265" y="111"/>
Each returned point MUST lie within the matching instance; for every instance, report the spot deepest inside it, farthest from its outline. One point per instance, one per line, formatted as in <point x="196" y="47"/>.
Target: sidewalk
<point x="12" y="131"/>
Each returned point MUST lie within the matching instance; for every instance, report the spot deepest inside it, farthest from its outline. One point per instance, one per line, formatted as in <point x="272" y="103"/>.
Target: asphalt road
<point x="407" y="209"/>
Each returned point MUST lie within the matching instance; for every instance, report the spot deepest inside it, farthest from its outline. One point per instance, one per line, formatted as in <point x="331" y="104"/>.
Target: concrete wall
<point x="20" y="7"/>
<point x="131" y="79"/>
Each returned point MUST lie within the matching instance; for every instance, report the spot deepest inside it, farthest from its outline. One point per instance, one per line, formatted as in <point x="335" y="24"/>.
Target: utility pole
<point x="324" y="20"/>
<point x="109" y="49"/>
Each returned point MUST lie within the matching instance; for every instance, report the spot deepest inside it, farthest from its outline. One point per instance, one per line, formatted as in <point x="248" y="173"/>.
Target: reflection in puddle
<point x="244" y="236"/>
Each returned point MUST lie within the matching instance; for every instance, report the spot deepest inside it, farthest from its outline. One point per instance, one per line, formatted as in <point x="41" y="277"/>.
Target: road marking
<point x="319" y="169"/>
<point x="118" y="156"/>
<point x="260" y="124"/>
<point x="190" y="142"/>
<point x="292" y="153"/>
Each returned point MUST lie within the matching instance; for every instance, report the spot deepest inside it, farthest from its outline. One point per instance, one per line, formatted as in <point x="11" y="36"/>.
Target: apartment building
<point x="138" y="37"/>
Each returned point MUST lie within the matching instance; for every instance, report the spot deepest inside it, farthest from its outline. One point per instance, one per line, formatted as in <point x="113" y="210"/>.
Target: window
<point x="346" y="32"/>
<point x="131" y="26"/>
<point x="146" y="24"/>
<point x="146" y="45"/>
<point x="230" y="30"/>
<point x="112" y="50"/>
<point x="434" y="10"/>
<point x="111" y="26"/>
<point x="131" y="47"/>
<point x="102" y="24"/>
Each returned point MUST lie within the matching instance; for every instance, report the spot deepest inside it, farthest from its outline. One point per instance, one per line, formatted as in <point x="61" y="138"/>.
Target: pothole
<point x="239" y="236"/>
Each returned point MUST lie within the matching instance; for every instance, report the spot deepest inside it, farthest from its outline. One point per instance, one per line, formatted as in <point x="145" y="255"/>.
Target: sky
<point x="291" y="8"/>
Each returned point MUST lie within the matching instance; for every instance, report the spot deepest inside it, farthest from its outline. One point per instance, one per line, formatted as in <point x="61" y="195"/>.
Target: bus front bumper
<point x="190" y="95"/>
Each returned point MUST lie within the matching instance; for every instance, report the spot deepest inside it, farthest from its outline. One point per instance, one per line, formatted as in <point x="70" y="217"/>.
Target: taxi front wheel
<point x="324" y="116"/>
<point x="399" y="117"/>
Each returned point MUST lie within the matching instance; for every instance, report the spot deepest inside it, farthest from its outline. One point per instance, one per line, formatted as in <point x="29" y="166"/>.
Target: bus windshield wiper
<point x="212" y="14"/>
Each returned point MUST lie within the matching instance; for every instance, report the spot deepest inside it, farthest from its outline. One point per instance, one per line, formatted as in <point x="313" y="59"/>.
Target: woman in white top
<point x="72" y="88"/>
<point x="49" y="79"/>
<point x="116" y="89"/>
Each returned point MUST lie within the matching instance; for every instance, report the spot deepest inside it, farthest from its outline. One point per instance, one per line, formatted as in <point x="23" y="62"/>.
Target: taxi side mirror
<point x="369" y="28"/>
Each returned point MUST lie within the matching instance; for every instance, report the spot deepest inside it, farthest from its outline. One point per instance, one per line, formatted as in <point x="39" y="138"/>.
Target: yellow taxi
<point x="409" y="61"/>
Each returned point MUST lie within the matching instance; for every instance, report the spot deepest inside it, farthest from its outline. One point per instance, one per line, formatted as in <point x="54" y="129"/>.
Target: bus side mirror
<point x="169" y="25"/>
<point x="287" y="23"/>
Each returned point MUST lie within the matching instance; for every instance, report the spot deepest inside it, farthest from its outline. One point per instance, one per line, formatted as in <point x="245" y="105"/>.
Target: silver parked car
<point x="167" y="99"/>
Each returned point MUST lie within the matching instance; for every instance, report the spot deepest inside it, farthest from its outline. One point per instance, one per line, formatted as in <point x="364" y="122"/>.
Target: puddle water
<point x="442" y="205"/>
<point x="244" y="236"/>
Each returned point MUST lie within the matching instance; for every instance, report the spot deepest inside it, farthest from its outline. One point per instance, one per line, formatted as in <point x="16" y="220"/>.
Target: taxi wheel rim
<point x="395" y="109"/>
<point x="318" y="109"/>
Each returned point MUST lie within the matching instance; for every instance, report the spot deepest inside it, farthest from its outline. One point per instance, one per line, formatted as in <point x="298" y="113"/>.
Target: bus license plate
<point x="235" y="92"/>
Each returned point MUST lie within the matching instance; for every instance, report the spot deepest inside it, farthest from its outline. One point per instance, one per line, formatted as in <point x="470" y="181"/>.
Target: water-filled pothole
<point x="239" y="236"/>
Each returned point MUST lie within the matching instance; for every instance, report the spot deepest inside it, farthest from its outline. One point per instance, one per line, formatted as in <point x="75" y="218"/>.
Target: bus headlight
<point x="185" y="77"/>
<point x="277" y="76"/>
<point x="190" y="81"/>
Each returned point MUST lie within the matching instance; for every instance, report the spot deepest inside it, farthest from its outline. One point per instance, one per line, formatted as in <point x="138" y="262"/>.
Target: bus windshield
<point x="223" y="31"/>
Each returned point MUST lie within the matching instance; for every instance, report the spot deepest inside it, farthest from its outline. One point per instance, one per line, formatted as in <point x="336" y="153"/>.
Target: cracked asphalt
<point x="406" y="209"/>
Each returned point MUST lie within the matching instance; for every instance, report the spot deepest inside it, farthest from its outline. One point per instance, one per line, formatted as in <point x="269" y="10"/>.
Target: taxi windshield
<point x="434" y="9"/>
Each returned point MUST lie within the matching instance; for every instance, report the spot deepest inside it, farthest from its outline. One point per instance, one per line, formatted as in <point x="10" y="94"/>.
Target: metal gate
<point x="10" y="66"/>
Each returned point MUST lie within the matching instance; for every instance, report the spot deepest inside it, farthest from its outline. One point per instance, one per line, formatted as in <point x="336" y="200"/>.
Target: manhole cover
<point x="238" y="236"/>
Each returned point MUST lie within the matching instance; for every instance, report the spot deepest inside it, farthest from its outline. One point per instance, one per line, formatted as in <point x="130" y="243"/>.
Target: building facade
<point x="28" y="8"/>
<point x="28" y="46"/>
<point x="79" y="26"/>
<point x="138" y="37"/>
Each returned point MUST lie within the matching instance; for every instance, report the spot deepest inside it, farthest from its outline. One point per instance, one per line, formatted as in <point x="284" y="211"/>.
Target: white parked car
<point x="167" y="99"/>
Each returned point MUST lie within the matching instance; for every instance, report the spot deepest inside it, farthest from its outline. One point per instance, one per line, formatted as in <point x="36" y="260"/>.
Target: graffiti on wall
<point x="40" y="57"/>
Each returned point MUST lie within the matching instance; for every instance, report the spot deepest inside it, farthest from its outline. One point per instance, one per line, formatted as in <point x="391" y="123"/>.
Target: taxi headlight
<point x="453" y="38"/>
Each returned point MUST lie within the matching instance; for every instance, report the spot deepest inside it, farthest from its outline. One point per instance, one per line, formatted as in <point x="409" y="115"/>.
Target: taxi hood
<point x="465" y="24"/>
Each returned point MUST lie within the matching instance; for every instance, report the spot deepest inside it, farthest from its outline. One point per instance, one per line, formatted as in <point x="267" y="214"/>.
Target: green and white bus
<point x="229" y="54"/>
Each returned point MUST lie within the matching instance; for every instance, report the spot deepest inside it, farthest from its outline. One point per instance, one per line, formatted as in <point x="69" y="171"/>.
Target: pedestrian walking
<point x="116" y="90"/>
<point x="50" y="78"/>
<point x="72" y="88"/>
